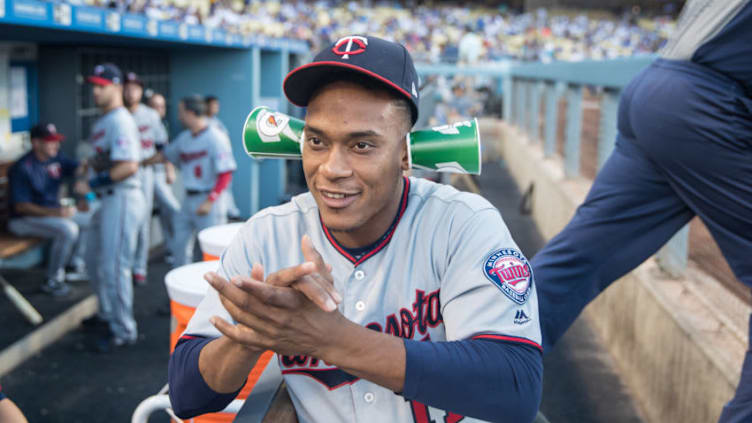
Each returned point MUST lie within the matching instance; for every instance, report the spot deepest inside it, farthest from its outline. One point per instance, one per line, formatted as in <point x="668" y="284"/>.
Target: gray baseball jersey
<point x="151" y="132"/>
<point x="218" y="123"/>
<point x="448" y="270"/>
<point x="150" y="128"/>
<point x="115" y="137"/>
<point x="201" y="157"/>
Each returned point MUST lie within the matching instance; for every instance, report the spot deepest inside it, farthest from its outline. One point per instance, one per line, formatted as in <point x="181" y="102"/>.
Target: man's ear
<point x="405" y="162"/>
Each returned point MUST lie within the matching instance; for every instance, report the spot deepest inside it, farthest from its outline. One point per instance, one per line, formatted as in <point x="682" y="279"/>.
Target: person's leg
<point x="61" y="231"/>
<point x="98" y="253"/>
<point x="182" y="241"/>
<point x="706" y="154"/>
<point x="143" y="240"/>
<point x="169" y="207"/>
<point x="83" y="220"/>
<point x="739" y="409"/>
<point x="629" y="213"/>
<point x="119" y="285"/>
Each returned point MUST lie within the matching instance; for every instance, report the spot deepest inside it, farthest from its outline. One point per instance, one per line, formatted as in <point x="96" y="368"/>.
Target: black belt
<point x="104" y="192"/>
<point x="197" y="191"/>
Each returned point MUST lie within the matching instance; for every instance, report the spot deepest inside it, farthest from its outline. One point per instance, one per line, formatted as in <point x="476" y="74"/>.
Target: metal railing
<point x="529" y="87"/>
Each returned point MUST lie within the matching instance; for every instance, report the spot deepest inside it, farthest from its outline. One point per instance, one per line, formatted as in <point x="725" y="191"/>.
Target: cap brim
<point x="98" y="80"/>
<point x="54" y="137"/>
<point x="301" y="82"/>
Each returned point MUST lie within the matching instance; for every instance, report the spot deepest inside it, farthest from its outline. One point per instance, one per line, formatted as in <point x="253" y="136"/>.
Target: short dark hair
<point x="195" y="103"/>
<point x="210" y="98"/>
<point x="370" y="84"/>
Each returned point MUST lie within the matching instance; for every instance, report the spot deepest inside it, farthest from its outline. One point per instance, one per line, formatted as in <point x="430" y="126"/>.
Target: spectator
<point x="37" y="210"/>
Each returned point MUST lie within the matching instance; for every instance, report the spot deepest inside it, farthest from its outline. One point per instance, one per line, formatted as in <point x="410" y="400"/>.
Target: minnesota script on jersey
<point x="201" y="157"/>
<point x="449" y="270"/>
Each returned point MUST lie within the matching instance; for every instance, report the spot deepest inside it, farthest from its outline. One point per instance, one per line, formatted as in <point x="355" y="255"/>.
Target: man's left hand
<point x="204" y="208"/>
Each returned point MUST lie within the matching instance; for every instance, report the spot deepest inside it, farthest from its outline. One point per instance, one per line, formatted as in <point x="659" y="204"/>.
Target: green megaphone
<point x="449" y="148"/>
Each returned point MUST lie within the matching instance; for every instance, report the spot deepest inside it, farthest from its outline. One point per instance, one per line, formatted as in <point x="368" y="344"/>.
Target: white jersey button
<point x="359" y="275"/>
<point x="360" y="306"/>
<point x="369" y="397"/>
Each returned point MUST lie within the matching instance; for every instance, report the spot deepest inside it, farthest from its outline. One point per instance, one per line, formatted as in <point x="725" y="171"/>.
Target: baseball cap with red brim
<point x="132" y="77"/>
<point x="384" y="61"/>
<point x="106" y="74"/>
<point x="45" y="132"/>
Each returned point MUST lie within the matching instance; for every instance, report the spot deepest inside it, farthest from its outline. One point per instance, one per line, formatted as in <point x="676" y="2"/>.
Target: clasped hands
<point x="292" y="311"/>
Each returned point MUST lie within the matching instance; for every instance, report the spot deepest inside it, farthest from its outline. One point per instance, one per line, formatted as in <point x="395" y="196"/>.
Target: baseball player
<point x="206" y="164"/>
<point x="152" y="133"/>
<point x="212" y="110"/>
<point x="164" y="176"/>
<point x="683" y="149"/>
<point x="385" y="298"/>
<point x="113" y="176"/>
<point x="36" y="209"/>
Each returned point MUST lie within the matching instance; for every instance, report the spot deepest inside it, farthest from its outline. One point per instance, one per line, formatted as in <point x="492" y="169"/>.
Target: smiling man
<point x="385" y="298"/>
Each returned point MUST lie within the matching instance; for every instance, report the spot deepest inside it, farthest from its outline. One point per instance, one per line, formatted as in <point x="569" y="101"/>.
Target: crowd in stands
<point x="432" y="33"/>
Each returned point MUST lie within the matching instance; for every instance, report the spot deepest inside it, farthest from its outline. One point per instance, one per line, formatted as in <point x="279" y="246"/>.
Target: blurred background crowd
<point x="439" y="32"/>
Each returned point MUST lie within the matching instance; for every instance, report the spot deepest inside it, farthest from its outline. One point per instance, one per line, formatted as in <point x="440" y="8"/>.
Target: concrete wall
<point x="678" y="349"/>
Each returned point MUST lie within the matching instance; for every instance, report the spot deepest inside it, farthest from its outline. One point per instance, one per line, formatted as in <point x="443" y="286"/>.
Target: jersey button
<point x="369" y="397"/>
<point x="360" y="306"/>
<point x="359" y="275"/>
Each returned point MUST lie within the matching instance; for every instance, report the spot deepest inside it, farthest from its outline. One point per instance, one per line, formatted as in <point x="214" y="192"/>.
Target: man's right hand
<point x="81" y="187"/>
<point x="67" y="212"/>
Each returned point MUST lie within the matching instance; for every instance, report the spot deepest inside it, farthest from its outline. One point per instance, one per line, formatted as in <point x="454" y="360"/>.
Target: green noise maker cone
<point x="449" y="148"/>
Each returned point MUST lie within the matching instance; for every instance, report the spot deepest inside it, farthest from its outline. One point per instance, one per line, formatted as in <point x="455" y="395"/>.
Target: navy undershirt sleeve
<point x="489" y="380"/>
<point x="189" y="394"/>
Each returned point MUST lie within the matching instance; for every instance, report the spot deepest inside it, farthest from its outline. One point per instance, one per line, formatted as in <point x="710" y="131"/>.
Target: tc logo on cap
<point x="98" y="70"/>
<point x="347" y="44"/>
<point x="51" y="128"/>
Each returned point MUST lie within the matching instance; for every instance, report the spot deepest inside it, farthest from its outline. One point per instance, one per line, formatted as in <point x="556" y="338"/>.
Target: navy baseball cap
<point x="106" y="74"/>
<point x="384" y="61"/>
<point x="132" y="77"/>
<point x="45" y="132"/>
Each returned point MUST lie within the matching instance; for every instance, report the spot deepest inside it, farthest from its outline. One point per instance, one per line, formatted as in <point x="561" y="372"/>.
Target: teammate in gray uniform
<point x="212" y="110"/>
<point x="113" y="176"/>
<point x="206" y="164"/>
<point x="152" y="132"/>
<point x="386" y="299"/>
<point x="164" y="176"/>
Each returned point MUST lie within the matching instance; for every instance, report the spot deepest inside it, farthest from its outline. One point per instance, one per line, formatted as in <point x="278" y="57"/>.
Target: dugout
<point x="47" y="49"/>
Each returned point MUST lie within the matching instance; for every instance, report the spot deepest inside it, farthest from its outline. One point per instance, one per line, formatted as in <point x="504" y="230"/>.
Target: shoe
<point x="139" y="279"/>
<point x="55" y="288"/>
<point x="94" y="321"/>
<point x="107" y="344"/>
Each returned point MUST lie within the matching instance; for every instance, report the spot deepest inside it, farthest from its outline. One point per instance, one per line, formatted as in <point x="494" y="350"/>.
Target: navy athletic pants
<point x="684" y="148"/>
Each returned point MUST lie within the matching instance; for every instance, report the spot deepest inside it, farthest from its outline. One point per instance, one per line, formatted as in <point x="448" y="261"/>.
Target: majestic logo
<point x="520" y="318"/>
<point x="350" y="45"/>
<point x="193" y="155"/>
<point x="511" y="273"/>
